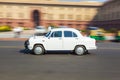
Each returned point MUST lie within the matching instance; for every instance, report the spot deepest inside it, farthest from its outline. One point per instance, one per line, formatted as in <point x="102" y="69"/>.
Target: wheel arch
<point x="82" y="46"/>
<point x="38" y="44"/>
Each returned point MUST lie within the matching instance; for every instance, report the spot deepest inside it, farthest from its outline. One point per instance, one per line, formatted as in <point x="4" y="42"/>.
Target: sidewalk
<point x="11" y="36"/>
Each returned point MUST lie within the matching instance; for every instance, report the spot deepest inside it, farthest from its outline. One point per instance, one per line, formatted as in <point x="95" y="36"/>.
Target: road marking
<point x="11" y="46"/>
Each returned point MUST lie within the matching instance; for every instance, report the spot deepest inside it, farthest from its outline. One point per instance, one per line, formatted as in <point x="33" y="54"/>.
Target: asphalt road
<point x="101" y="64"/>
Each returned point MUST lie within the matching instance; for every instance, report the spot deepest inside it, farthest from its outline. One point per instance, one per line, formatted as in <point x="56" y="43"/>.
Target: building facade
<point x="31" y="13"/>
<point x="108" y="15"/>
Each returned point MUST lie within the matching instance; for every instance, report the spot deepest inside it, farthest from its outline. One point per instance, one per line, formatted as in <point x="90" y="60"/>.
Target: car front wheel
<point x="79" y="50"/>
<point x="38" y="50"/>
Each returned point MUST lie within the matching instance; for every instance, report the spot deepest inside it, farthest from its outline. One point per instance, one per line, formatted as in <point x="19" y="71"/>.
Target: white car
<point x="61" y="39"/>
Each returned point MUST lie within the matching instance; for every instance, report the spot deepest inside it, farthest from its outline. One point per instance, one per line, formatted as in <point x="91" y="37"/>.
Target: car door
<point x="70" y="40"/>
<point x="54" y="41"/>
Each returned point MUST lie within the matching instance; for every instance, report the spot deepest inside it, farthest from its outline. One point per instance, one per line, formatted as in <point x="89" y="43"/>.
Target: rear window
<point x="69" y="34"/>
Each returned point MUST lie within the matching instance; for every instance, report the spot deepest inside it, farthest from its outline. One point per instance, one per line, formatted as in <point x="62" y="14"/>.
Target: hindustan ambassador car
<point x="61" y="39"/>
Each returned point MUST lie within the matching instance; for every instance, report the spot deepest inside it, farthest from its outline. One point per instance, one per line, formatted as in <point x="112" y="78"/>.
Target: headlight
<point x="26" y="42"/>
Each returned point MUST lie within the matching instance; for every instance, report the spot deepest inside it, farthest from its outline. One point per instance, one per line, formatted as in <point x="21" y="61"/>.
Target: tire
<point x="79" y="50"/>
<point x="38" y="50"/>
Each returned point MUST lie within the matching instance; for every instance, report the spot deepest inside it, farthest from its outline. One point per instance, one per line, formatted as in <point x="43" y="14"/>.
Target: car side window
<point x="56" y="34"/>
<point x="69" y="34"/>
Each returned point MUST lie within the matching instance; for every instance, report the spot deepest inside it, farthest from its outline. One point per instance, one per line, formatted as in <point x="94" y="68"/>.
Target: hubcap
<point x="79" y="50"/>
<point x="38" y="50"/>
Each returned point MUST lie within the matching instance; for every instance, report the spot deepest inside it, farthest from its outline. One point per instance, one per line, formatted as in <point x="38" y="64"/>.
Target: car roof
<point x="63" y="29"/>
<point x="67" y="29"/>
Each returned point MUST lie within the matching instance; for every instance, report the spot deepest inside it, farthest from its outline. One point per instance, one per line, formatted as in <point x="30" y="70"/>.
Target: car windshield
<point x="47" y="35"/>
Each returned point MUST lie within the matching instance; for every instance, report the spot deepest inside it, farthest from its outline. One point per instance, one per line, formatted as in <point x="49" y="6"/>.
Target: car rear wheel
<point x="38" y="50"/>
<point x="79" y="50"/>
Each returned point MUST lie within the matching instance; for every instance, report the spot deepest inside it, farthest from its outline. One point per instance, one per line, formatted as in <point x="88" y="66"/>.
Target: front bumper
<point x="26" y="43"/>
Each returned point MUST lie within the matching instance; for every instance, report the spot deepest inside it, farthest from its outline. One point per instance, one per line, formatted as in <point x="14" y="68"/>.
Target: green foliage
<point x="5" y="28"/>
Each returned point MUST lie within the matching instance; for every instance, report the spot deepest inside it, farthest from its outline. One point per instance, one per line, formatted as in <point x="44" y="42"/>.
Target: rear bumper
<point x="92" y="48"/>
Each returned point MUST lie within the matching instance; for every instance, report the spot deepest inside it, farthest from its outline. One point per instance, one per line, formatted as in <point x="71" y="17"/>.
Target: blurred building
<point x="31" y="13"/>
<point x="108" y="15"/>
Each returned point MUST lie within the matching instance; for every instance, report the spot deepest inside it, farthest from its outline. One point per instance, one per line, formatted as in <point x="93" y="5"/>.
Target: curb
<point x="13" y="39"/>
